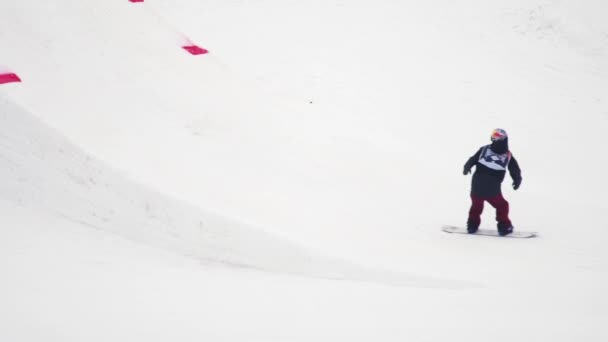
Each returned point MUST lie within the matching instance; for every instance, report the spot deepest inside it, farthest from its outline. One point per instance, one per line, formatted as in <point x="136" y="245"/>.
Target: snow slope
<point x="340" y="126"/>
<point x="45" y="173"/>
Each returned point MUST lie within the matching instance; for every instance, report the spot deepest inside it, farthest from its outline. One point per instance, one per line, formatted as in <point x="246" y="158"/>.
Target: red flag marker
<point x="195" y="50"/>
<point x="136" y="0"/>
<point x="8" y="78"/>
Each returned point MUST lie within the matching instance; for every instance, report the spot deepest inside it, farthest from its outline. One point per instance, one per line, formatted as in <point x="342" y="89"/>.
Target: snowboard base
<point x="488" y="232"/>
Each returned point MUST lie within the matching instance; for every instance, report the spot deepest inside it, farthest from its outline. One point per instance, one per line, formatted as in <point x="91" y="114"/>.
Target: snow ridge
<point x="43" y="171"/>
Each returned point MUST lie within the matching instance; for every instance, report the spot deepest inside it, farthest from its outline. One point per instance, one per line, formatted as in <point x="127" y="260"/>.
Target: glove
<point x="516" y="184"/>
<point x="466" y="170"/>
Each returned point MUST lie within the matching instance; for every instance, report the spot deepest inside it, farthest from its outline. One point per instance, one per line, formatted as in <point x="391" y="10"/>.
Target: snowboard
<point x="488" y="232"/>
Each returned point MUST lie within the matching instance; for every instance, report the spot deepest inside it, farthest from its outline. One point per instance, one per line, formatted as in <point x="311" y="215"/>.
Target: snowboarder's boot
<point x="504" y="228"/>
<point x="472" y="227"/>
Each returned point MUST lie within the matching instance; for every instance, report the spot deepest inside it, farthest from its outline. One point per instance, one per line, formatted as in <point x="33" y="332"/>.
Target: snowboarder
<point x="491" y="162"/>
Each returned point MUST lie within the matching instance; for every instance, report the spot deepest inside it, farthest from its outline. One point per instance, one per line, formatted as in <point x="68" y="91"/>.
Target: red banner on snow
<point x="195" y="50"/>
<point x="136" y="0"/>
<point x="9" y="78"/>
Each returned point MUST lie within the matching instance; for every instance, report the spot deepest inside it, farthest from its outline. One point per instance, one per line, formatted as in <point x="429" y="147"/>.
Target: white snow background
<point x="290" y="185"/>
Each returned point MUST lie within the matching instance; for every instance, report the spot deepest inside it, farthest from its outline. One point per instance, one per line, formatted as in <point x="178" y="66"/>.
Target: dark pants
<point x="498" y="202"/>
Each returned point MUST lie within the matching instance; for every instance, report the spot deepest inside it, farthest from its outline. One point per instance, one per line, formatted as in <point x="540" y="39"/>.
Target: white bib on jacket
<point x="493" y="160"/>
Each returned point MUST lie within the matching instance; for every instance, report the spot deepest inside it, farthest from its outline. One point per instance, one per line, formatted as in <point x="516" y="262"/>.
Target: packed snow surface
<point x="291" y="184"/>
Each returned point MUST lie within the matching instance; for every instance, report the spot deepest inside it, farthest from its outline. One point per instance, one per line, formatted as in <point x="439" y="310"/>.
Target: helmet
<point x="498" y="134"/>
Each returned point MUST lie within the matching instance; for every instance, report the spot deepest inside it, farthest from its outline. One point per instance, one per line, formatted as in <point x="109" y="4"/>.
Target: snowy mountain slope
<point x="63" y="282"/>
<point x="43" y="172"/>
<point x="342" y="126"/>
<point x="403" y="92"/>
<point x="327" y="106"/>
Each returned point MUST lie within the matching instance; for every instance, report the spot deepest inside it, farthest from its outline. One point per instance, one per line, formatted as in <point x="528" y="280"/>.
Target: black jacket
<point x="490" y="169"/>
